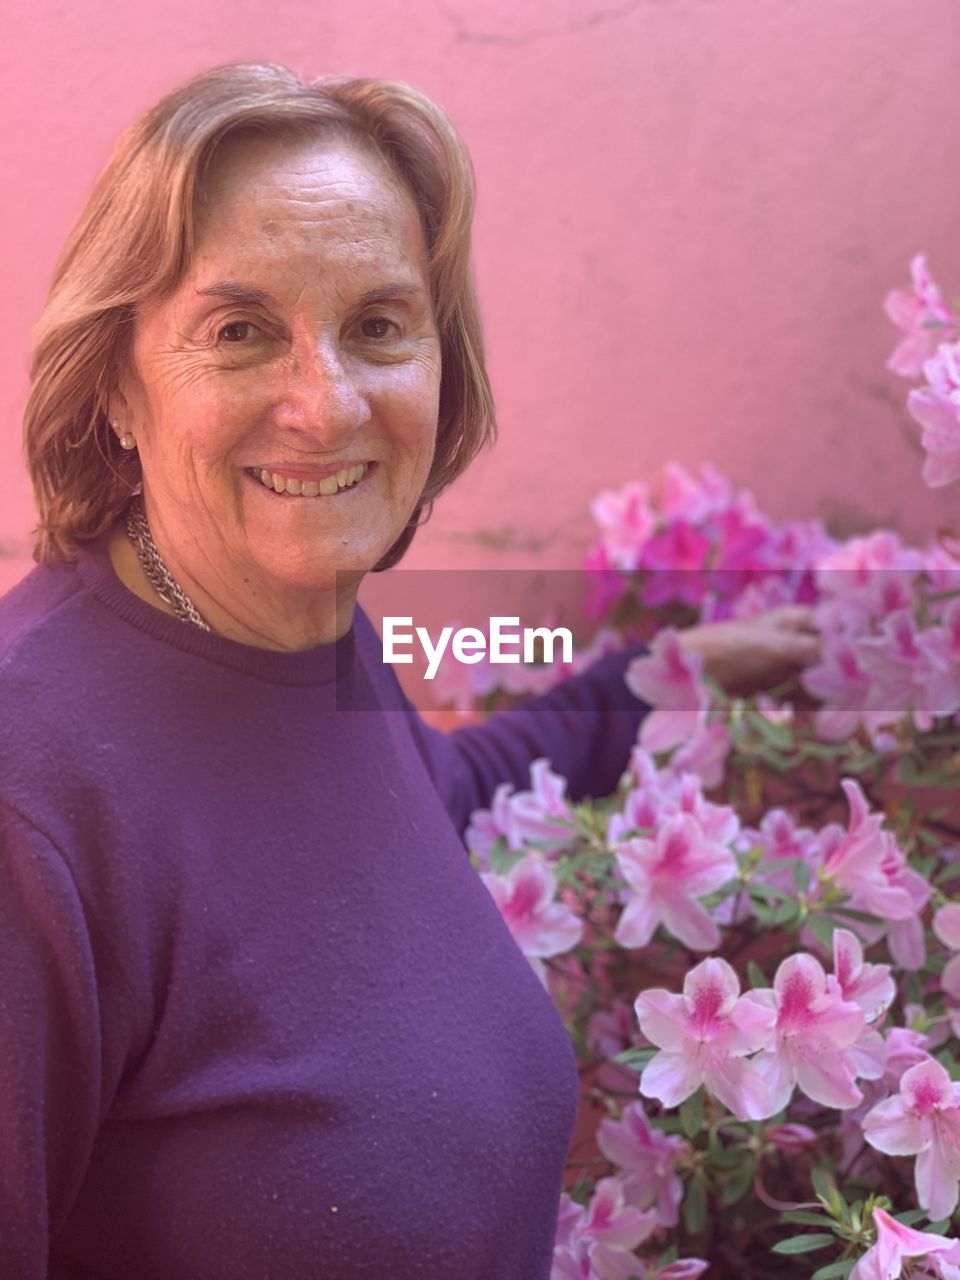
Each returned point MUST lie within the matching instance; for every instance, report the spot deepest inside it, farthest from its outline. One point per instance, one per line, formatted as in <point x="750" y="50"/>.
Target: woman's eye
<point x="234" y="324"/>
<point x="378" y="327"/>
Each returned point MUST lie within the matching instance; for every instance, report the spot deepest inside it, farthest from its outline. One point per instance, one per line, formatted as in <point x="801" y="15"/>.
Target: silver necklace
<point x="138" y="531"/>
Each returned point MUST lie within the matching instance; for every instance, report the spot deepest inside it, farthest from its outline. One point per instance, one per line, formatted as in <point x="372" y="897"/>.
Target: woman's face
<point x="336" y="365"/>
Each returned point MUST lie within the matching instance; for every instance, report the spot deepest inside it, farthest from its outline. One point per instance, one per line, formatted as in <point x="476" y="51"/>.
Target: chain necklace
<point x="138" y="531"/>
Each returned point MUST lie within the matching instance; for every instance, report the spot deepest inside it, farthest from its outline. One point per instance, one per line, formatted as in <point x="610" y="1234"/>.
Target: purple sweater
<point x="259" y="1016"/>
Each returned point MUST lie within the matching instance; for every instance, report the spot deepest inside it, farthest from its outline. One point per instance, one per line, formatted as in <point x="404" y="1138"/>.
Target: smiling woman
<point x="313" y="354"/>
<point x="259" y="1016"/>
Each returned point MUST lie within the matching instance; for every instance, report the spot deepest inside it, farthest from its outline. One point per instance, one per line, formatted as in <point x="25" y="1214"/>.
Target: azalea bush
<point x="755" y="943"/>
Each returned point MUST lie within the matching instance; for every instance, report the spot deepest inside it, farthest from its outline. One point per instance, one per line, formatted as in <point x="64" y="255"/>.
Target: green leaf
<point x="786" y="912"/>
<point x="503" y="859"/>
<point x="823" y="1184"/>
<point x="822" y="928"/>
<point x="635" y="1059"/>
<point x="910" y="1217"/>
<point x="801" y="875"/>
<point x="800" y="1218"/>
<point x="756" y="975"/>
<point x="739" y="1183"/>
<point x="695" y="1207"/>
<point x="938" y="1227"/>
<point x="691" y="1114"/>
<point x="835" y="1270"/>
<point x="807" y="1243"/>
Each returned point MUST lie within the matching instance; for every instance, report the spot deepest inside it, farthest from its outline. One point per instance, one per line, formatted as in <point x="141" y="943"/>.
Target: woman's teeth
<point x="330" y="485"/>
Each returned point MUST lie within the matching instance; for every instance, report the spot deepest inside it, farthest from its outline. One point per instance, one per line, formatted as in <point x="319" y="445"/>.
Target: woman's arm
<point x="51" y="1078"/>
<point x="585" y="727"/>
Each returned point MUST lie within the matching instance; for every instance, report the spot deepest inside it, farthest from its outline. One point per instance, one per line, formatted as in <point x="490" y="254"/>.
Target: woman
<point x="259" y="1017"/>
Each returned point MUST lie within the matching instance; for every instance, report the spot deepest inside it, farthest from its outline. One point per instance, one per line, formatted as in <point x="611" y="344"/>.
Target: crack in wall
<point x="596" y="18"/>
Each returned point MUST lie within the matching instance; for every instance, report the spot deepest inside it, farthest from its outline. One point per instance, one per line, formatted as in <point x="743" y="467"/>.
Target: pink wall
<point x="689" y="214"/>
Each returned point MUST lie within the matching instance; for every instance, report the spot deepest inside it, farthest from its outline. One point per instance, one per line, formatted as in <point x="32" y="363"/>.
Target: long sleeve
<point x="50" y="1046"/>
<point x="585" y="727"/>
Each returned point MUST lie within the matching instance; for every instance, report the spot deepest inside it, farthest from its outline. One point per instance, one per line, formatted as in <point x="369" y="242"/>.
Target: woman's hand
<point x="747" y="655"/>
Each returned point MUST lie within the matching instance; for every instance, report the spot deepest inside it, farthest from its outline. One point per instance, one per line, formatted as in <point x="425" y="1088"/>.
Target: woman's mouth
<point x="328" y="487"/>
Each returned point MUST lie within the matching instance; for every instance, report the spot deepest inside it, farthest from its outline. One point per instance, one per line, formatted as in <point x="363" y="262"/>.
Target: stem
<point x="781" y="1206"/>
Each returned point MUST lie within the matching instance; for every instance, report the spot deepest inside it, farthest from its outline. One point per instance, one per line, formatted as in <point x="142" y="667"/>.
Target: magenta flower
<point x="923" y="1119"/>
<point x="704" y="1037"/>
<point x="647" y="1159"/>
<point x="668" y="680"/>
<point x="884" y="1260"/>
<point x="924" y="318"/>
<point x="674" y="561"/>
<point x="540" y="926"/>
<point x="937" y="408"/>
<point x="815" y="1030"/>
<point x="667" y="875"/>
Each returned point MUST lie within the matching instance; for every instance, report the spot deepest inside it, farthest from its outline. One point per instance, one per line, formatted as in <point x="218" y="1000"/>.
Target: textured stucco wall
<point x="689" y="213"/>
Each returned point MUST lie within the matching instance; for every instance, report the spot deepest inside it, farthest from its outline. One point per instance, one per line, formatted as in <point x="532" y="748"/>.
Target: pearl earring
<point x="126" y="442"/>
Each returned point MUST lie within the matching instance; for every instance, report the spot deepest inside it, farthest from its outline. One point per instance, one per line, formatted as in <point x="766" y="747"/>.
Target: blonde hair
<point x="134" y="241"/>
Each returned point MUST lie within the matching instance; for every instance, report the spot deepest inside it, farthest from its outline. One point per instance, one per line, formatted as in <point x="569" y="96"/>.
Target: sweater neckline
<point x="322" y="664"/>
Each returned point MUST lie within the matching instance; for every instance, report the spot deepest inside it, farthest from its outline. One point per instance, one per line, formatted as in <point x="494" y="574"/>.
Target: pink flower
<point x="705" y="754"/>
<point x="667" y="875"/>
<point x="540" y="926"/>
<point x="791" y="1137"/>
<point x="647" y="1159"/>
<point x="942" y="644"/>
<point x="626" y="521"/>
<point x="611" y="1221"/>
<point x="610" y="1032"/>
<point x="489" y="825"/>
<point x="946" y="925"/>
<point x="597" y="1243"/>
<point x="815" y="1030"/>
<point x="668" y="680"/>
<point x="681" y="497"/>
<point x="840" y="681"/>
<point x="900" y="669"/>
<point x="704" y="1036"/>
<point x="923" y="1120"/>
<point x="866" y="861"/>
<point x="870" y="986"/>
<point x="681" y="1269"/>
<point x="937" y="408"/>
<point x="884" y="1260"/>
<point x="904" y="1048"/>
<point x="542" y="813"/>
<point x="923" y="317"/>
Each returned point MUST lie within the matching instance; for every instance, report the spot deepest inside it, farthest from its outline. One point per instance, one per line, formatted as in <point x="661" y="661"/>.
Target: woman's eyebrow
<point x="241" y="294"/>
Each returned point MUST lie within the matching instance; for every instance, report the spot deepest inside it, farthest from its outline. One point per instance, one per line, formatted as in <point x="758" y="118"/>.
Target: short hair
<point x="134" y="241"/>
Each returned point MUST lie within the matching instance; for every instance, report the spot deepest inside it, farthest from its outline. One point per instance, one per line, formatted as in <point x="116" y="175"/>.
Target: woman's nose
<point x="325" y="399"/>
